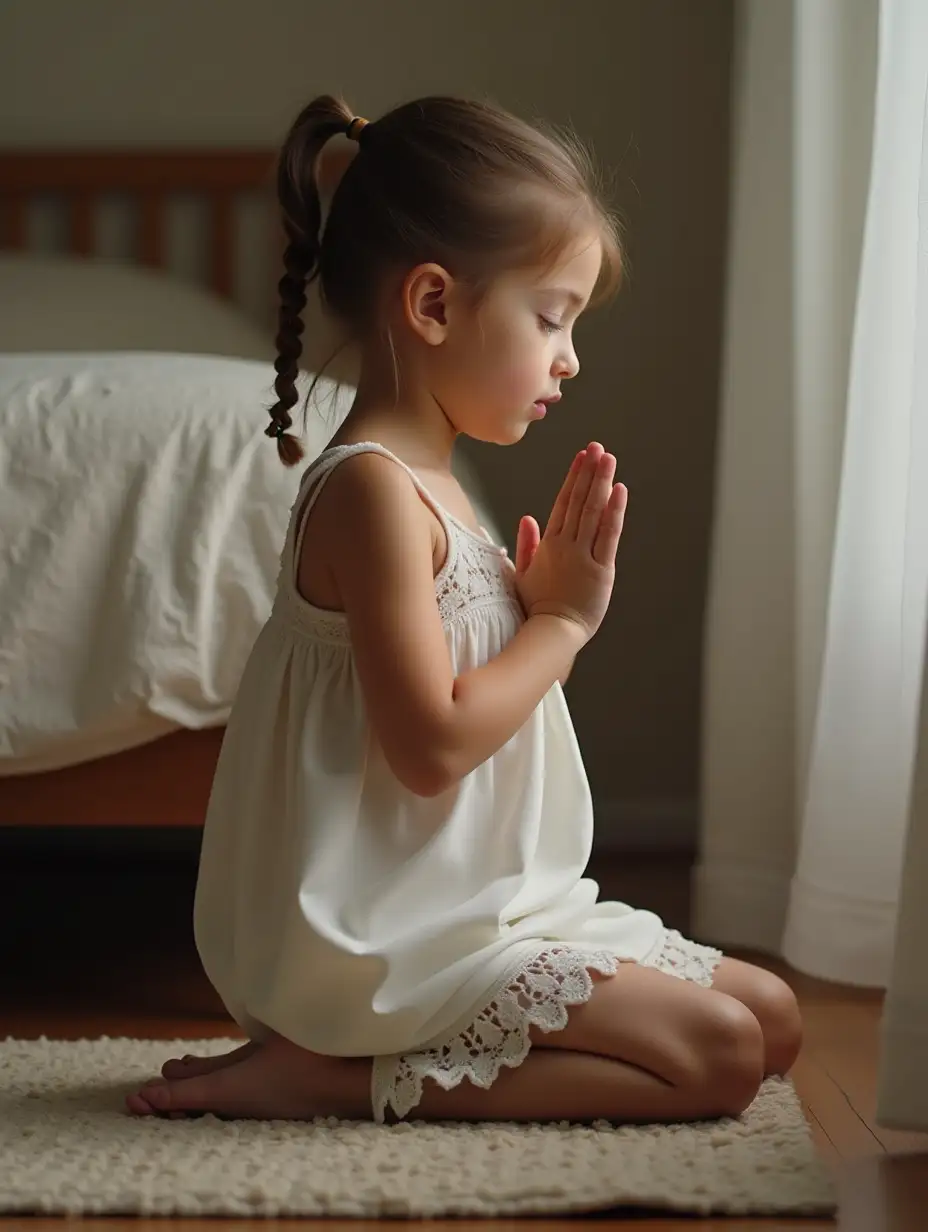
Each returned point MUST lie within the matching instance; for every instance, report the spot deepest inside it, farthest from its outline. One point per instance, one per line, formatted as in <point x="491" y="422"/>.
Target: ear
<point x="426" y="295"/>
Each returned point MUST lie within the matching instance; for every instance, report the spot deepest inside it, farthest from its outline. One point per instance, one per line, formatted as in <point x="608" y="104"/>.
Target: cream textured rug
<point x="67" y="1147"/>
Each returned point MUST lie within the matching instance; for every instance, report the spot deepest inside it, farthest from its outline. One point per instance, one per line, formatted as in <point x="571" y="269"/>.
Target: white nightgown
<point x="339" y="909"/>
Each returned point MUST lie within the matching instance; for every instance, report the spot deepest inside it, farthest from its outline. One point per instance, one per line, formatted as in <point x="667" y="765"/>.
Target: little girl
<point x="391" y="900"/>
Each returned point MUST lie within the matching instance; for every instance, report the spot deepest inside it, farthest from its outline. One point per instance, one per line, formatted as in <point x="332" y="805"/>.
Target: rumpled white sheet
<point x="142" y="514"/>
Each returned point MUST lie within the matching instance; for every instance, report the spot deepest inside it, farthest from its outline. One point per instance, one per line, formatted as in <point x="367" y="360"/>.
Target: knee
<point x="777" y="1011"/>
<point x="732" y="1056"/>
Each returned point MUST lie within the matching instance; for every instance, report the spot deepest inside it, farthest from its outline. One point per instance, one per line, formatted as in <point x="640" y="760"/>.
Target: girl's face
<point x="505" y="362"/>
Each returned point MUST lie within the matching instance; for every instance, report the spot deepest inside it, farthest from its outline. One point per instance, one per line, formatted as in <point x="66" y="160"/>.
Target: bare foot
<point x="278" y="1081"/>
<point x="190" y="1066"/>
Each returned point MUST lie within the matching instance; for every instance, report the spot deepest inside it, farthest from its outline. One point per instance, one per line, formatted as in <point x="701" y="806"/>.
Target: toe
<point x="138" y="1105"/>
<point x="154" y="1100"/>
<point x="169" y="1097"/>
<point x="157" y="1094"/>
<point x="191" y="1066"/>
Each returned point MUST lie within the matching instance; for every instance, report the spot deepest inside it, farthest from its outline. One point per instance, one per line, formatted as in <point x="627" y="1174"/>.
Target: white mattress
<point x="142" y="514"/>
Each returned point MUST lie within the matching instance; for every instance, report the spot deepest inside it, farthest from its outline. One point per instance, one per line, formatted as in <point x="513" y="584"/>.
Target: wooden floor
<point x="99" y="946"/>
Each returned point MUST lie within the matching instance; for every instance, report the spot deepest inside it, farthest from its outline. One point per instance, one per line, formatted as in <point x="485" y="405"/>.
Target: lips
<point x="540" y="407"/>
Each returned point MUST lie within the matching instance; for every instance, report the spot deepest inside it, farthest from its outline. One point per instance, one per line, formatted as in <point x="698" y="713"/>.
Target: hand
<point x="569" y="571"/>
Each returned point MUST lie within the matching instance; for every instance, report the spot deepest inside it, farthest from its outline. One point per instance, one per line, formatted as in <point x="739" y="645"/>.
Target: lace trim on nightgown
<point x="476" y="575"/>
<point x="540" y="995"/>
<point x="686" y="959"/>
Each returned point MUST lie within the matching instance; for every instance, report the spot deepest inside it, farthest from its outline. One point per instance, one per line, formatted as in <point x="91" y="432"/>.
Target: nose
<point x="567" y="364"/>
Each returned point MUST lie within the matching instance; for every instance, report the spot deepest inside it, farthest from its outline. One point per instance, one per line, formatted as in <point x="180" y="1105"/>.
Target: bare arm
<point x="492" y="702"/>
<point x="434" y="728"/>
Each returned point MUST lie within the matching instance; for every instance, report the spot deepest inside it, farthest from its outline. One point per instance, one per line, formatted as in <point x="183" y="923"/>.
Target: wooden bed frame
<point x="149" y="178"/>
<point x="167" y="782"/>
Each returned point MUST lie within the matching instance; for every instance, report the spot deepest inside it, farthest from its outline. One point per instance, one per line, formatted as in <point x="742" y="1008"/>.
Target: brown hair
<point x="461" y="183"/>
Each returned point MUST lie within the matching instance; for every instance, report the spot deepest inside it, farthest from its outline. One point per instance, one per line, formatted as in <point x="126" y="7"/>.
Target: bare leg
<point x="551" y="1084"/>
<point x="680" y="1032"/>
<point x="769" y="998"/>
<point x="645" y="1047"/>
<point x="558" y="1085"/>
<point x="772" y="1002"/>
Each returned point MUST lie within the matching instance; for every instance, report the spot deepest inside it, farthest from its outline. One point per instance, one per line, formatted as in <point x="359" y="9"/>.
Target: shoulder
<point x="369" y="480"/>
<point x="370" y="501"/>
<point x="368" y="488"/>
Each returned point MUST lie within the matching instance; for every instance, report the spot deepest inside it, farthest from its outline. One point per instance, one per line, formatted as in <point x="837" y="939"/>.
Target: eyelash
<point x="549" y="327"/>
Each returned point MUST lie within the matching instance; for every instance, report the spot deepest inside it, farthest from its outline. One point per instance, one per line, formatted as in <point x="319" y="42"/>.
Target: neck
<point x="409" y="420"/>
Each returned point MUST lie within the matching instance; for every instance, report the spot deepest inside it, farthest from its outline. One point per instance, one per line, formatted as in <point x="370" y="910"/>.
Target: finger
<point x="581" y="489"/>
<point x="527" y="543"/>
<point x="596" y="500"/>
<point x="611" y="524"/>
<point x="555" y="521"/>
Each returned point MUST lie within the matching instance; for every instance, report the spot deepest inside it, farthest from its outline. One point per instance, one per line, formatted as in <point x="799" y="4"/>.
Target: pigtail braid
<point x="292" y="292"/>
<point x="301" y="213"/>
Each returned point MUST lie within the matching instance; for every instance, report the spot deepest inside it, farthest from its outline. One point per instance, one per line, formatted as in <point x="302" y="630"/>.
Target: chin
<point x="506" y="430"/>
<point x="512" y="431"/>
<point x="496" y="436"/>
<point x="506" y="438"/>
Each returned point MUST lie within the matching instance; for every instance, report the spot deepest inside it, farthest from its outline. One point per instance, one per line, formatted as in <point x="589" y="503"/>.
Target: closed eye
<point x="549" y="327"/>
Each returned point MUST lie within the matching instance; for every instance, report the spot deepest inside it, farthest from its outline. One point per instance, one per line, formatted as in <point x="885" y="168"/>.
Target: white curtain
<point x="814" y="837"/>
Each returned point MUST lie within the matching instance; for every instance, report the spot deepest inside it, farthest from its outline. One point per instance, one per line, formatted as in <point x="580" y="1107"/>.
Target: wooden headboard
<point x="149" y="178"/>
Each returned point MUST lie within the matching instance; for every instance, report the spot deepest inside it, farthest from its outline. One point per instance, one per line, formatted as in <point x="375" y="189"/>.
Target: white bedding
<point x="142" y="515"/>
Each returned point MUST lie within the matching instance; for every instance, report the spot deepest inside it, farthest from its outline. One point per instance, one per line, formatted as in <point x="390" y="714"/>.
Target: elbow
<point x="425" y="779"/>
<point x="425" y="771"/>
<point x="426" y="754"/>
<point x="429" y="786"/>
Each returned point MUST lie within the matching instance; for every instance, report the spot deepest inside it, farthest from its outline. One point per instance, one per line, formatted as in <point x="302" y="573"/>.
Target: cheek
<point x="508" y="367"/>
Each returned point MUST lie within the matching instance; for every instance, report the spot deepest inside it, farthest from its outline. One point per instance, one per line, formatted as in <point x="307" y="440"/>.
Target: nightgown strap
<point x="317" y="475"/>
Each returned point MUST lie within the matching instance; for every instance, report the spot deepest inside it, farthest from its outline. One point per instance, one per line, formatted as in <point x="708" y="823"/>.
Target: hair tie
<point x="277" y="429"/>
<point x="355" y="127"/>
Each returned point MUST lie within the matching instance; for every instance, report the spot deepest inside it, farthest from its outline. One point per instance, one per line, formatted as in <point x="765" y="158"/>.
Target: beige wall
<point x="646" y="82"/>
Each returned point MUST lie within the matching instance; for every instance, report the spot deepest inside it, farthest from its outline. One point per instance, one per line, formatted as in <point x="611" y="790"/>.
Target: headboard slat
<point x="82" y="229"/>
<point x="223" y="244"/>
<point x="149" y="178"/>
<point x="151" y="230"/>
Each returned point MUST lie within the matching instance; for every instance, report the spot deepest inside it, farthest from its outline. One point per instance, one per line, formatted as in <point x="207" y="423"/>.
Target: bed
<point x="142" y="510"/>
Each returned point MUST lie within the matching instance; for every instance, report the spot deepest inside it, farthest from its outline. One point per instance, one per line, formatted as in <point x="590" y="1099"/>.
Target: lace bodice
<point x="476" y="572"/>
